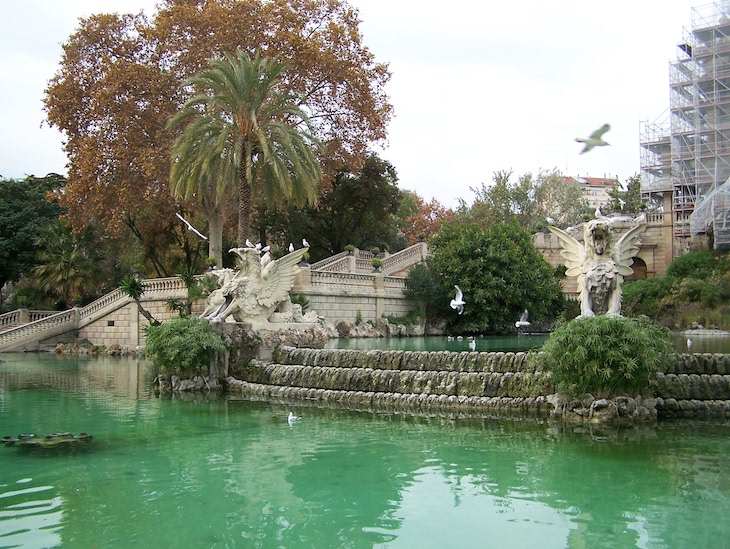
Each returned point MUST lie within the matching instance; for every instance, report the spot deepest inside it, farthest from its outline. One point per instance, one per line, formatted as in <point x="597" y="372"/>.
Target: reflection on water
<point x="217" y="472"/>
<point x="30" y="516"/>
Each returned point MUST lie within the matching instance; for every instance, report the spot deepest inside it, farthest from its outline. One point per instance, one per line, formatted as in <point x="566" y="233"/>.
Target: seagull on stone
<point x="598" y="214"/>
<point x="550" y="220"/>
<point x="595" y="140"/>
<point x="473" y="344"/>
<point x="190" y="227"/>
<point x="522" y="322"/>
<point x="249" y="244"/>
<point x="305" y="243"/>
<point x="458" y="302"/>
<point x="291" y="247"/>
<point x="292" y="418"/>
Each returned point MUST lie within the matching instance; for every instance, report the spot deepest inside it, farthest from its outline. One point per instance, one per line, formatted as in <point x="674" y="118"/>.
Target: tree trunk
<point x="244" y="204"/>
<point x="215" y="239"/>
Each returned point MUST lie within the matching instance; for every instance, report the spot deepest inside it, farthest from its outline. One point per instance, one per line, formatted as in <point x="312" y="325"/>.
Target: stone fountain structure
<point x="253" y="311"/>
<point x="600" y="264"/>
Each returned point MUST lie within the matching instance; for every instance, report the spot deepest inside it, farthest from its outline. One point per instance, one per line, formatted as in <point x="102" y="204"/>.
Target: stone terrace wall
<point x="495" y="383"/>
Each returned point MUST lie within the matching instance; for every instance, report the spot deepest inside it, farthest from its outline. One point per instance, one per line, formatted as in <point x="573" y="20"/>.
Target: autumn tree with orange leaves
<point x="121" y="79"/>
<point x="426" y="219"/>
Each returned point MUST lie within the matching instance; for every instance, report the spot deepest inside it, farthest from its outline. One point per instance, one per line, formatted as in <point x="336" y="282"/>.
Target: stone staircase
<point x="339" y="276"/>
<point x="40" y="326"/>
<point x="468" y="383"/>
<point x="358" y="262"/>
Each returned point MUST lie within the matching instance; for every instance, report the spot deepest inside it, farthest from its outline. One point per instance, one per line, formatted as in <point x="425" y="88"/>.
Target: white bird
<point x="265" y="249"/>
<point x="458" y="302"/>
<point x="522" y="322"/>
<point x="598" y="214"/>
<point x="292" y="418"/>
<point x="622" y="202"/>
<point x="190" y="227"/>
<point x="595" y="140"/>
<point x="473" y="344"/>
<point x="249" y="244"/>
<point x="305" y="243"/>
<point x="550" y="220"/>
<point x="689" y="343"/>
<point x="258" y="246"/>
<point x="291" y="247"/>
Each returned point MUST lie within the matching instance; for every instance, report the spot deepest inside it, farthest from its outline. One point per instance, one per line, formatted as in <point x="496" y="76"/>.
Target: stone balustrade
<point x="20" y="336"/>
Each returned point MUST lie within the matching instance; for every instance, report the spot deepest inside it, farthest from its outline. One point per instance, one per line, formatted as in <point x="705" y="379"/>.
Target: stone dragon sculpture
<point x="259" y="288"/>
<point x="599" y="264"/>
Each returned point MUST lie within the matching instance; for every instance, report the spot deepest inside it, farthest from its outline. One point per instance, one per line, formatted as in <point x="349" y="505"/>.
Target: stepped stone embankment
<point x="498" y="384"/>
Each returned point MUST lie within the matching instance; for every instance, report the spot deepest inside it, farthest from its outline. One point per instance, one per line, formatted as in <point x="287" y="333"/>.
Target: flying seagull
<point x="458" y="302"/>
<point x="292" y="418"/>
<point x="595" y="140"/>
<point x="190" y="227"/>
<point x="522" y="322"/>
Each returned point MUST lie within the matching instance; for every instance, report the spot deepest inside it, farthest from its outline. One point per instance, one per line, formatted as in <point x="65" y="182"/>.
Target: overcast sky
<point x="477" y="86"/>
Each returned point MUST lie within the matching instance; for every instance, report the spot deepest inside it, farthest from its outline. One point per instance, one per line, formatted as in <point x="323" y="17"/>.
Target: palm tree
<point x="243" y="130"/>
<point x="67" y="264"/>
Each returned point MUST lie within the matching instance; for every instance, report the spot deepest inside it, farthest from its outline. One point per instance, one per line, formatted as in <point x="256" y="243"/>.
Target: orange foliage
<point x="427" y="220"/>
<point x="122" y="77"/>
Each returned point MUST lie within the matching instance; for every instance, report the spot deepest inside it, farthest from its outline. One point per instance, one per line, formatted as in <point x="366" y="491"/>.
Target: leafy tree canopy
<point x="358" y="208"/>
<point x="500" y="272"/>
<point x="423" y="219"/>
<point x="120" y="81"/>
<point x="529" y="200"/>
<point x="24" y="209"/>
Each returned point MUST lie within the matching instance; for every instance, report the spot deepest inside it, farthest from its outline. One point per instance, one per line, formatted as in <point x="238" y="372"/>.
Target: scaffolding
<point x="690" y="156"/>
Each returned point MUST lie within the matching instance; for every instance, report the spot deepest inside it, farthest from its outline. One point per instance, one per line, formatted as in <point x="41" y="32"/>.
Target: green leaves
<point x="182" y="346"/>
<point x="500" y="272"/>
<point x="605" y="355"/>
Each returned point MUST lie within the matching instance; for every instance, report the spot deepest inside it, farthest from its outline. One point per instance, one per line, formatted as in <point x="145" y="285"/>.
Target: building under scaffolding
<point x="687" y="153"/>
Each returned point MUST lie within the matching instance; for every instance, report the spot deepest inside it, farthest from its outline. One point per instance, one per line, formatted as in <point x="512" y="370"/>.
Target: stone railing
<point x="343" y="262"/>
<point x="346" y="281"/>
<point x="693" y="385"/>
<point x="22" y="316"/>
<point x="324" y="264"/>
<point x="44" y="327"/>
<point x="405" y="258"/>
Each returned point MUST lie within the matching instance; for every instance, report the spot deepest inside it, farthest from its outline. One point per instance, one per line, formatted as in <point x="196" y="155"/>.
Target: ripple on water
<point x="30" y="516"/>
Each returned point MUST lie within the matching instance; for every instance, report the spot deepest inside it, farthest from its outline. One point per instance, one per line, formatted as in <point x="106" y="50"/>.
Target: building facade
<point x="686" y="153"/>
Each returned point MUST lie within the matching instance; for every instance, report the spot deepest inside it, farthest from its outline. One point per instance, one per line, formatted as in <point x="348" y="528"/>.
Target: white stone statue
<point x="599" y="264"/>
<point x="259" y="287"/>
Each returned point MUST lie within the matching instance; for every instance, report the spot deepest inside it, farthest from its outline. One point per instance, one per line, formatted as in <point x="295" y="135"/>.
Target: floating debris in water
<point x="31" y="440"/>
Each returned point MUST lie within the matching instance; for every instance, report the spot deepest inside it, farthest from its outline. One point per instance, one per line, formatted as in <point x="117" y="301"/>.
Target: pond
<point x="525" y="342"/>
<point x="209" y="471"/>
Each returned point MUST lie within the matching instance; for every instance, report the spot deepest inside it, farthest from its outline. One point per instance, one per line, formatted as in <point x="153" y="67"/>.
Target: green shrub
<point x="183" y="346"/>
<point x="300" y="300"/>
<point x="606" y="356"/>
<point x="692" y="265"/>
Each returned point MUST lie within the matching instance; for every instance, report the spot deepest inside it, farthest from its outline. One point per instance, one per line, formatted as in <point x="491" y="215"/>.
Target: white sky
<point x="477" y="86"/>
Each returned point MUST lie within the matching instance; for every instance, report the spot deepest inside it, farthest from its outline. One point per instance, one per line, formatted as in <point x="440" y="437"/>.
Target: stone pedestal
<point x="248" y="341"/>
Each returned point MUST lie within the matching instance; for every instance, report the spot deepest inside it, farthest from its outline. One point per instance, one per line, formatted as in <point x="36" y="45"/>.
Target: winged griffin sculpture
<point x="599" y="264"/>
<point x="257" y="289"/>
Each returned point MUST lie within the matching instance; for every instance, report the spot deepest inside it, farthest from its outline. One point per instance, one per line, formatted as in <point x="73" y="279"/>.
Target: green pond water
<point x="226" y="472"/>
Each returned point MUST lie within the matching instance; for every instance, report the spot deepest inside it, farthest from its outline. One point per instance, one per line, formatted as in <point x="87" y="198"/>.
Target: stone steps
<point x="694" y="385"/>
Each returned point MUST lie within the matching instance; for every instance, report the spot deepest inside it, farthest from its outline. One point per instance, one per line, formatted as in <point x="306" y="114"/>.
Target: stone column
<point x="133" y="324"/>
